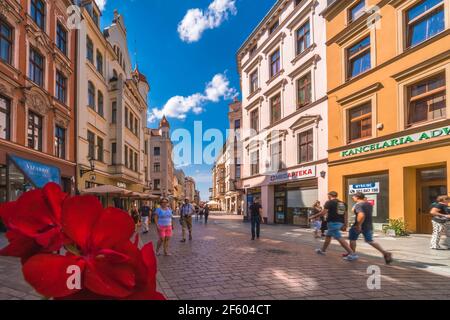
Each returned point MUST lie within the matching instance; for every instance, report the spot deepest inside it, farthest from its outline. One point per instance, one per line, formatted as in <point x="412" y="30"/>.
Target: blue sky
<point x="181" y="62"/>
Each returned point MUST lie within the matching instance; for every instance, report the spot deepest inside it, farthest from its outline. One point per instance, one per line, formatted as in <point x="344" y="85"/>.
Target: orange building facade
<point x="37" y="96"/>
<point x="389" y="116"/>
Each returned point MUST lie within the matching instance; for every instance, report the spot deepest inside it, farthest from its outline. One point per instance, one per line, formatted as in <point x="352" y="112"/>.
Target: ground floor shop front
<point x="288" y="197"/>
<point x="400" y="185"/>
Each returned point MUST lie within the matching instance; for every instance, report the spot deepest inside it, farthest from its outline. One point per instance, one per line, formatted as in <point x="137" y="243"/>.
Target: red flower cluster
<point x="96" y="242"/>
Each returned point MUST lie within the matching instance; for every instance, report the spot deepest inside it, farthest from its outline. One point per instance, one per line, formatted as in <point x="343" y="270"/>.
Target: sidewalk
<point x="413" y="251"/>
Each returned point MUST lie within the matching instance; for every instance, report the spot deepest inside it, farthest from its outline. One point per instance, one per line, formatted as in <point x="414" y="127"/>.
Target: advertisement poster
<point x="372" y="199"/>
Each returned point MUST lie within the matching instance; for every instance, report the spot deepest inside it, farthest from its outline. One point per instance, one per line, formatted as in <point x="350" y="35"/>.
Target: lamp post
<point x="92" y="167"/>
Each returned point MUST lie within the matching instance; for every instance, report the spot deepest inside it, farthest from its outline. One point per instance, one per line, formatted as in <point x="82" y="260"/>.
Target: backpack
<point x="341" y="208"/>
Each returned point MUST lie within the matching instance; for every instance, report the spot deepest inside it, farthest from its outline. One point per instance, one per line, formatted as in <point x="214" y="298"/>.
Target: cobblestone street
<point x="223" y="263"/>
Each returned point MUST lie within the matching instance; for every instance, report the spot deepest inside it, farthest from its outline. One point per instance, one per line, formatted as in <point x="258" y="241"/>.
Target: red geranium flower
<point x="34" y="222"/>
<point x="111" y="265"/>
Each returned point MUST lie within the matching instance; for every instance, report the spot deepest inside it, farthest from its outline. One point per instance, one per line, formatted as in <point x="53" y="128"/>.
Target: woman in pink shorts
<point x="164" y="224"/>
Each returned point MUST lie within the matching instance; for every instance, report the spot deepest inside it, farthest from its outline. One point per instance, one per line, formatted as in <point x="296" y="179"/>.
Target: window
<point x="146" y="147"/>
<point x="34" y="131"/>
<point x="157" y="151"/>
<point x="237" y="124"/>
<point x="303" y="38"/>
<point x="238" y="172"/>
<point x="254" y="160"/>
<point x="126" y="156"/>
<point x="360" y="125"/>
<point x="276" y="156"/>
<point x="130" y="160"/>
<point x="254" y="120"/>
<point x="427" y="100"/>
<point x="275" y="109"/>
<point x="91" y="95"/>
<point x="254" y="82"/>
<point x="114" y="112"/>
<point x="96" y="18"/>
<point x="359" y="58"/>
<point x="61" y="87"/>
<point x="274" y="26"/>
<point x="136" y="168"/>
<point x="136" y="126"/>
<point x="38" y="13"/>
<point x="157" y="167"/>
<point x="114" y="153"/>
<point x="6" y="42"/>
<point x="100" y="103"/>
<point x="275" y="63"/>
<point x="91" y="145"/>
<point x="253" y="50"/>
<point x="356" y="10"/>
<point x="157" y="184"/>
<point x="424" y="20"/>
<point x="5" y="118"/>
<point x="304" y="91"/>
<point x="60" y="142"/>
<point x="36" y="67"/>
<point x="297" y="2"/>
<point x="305" y="147"/>
<point x="100" y="149"/>
<point x="89" y="50"/>
<point x="61" y="38"/>
<point x="99" y="62"/>
<point x="126" y="117"/>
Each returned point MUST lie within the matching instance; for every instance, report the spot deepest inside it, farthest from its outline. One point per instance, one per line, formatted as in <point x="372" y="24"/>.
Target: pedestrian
<point x="145" y="214"/>
<point x="164" y="225"/>
<point x="336" y="211"/>
<point x="256" y="218"/>
<point x="197" y="212"/>
<point x="316" y="223"/>
<point x="135" y="215"/>
<point x="186" y="212"/>
<point x="363" y="211"/>
<point x="440" y="221"/>
<point x="206" y="213"/>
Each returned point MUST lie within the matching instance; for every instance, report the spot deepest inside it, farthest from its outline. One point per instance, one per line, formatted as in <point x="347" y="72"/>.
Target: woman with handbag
<point x="440" y="221"/>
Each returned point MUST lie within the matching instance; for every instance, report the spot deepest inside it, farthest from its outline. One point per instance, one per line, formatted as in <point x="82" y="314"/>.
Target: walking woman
<point x="164" y="225"/>
<point x="440" y="221"/>
<point x="135" y="215"/>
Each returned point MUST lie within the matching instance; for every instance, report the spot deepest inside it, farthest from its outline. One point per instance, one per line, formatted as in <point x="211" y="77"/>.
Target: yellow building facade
<point x="389" y="116"/>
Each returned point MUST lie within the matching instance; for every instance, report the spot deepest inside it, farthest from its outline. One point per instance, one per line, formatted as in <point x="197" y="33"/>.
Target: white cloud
<point x="101" y="4"/>
<point x="178" y="106"/>
<point x="196" y="21"/>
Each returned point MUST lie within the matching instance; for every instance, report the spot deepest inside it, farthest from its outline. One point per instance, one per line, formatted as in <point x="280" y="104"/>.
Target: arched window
<point x="91" y="95"/>
<point x="100" y="103"/>
<point x="115" y="76"/>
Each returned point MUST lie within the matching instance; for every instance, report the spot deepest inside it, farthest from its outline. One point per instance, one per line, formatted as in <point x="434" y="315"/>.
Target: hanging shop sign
<point x="38" y="173"/>
<point x="413" y="138"/>
<point x="298" y="174"/>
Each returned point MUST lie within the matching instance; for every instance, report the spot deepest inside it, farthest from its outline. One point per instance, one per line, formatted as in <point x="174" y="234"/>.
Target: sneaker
<point x="190" y="238"/>
<point x="388" y="258"/>
<point x="319" y="251"/>
<point x="435" y="248"/>
<point x="351" y="257"/>
<point x="344" y="255"/>
<point x="184" y="240"/>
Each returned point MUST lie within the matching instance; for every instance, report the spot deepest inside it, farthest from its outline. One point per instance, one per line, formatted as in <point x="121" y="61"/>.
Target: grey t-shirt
<point x="367" y="209"/>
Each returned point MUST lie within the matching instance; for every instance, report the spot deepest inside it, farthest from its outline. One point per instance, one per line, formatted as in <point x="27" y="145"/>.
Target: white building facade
<point x="282" y="66"/>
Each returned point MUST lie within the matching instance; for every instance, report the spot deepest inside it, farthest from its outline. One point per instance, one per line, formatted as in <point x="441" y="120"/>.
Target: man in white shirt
<point x="186" y="212"/>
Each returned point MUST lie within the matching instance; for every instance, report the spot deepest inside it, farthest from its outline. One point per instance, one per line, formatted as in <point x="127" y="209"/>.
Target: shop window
<point x="358" y="58"/>
<point x="34" y="131"/>
<point x="5" y="118"/>
<point x="6" y="42"/>
<point x="376" y="189"/>
<point x="304" y="91"/>
<point x="306" y="146"/>
<point x="17" y="183"/>
<point x="303" y="38"/>
<point x="424" y="21"/>
<point x="275" y="109"/>
<point x="360" y="122"/>
<point x="299" y="204"/>
<point x="427" y="100"/>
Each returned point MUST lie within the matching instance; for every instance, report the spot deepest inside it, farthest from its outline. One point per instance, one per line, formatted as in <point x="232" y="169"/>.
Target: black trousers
<point x="256" y="227"/>
<point x="206" y="218"/>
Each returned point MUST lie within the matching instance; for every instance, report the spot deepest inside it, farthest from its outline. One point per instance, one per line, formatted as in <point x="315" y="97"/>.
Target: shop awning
<point x="108" y="190"/>
<point x="144" y="196"/>
<point x="38" y="173"/>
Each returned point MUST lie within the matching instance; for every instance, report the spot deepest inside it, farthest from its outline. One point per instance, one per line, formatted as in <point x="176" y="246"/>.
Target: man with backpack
<point x="336" y="211"/>
<point x="145" y="214"/>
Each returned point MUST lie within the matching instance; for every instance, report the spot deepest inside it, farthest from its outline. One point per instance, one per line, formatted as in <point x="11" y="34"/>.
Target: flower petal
<point x="50" y="274"/>
<point x="54" y="197"/>
<point x="19" y="246"/>
<point x="114" y="226"/>
<point x="7" y="210"/>
<point x="79" y="217"/>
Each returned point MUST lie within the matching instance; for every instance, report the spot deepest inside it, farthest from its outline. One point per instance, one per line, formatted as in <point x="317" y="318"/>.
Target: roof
<point x="164" y="123"/>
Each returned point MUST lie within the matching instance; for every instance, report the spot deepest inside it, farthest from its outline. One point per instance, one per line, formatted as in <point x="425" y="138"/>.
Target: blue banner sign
<point x="38" y="173"/>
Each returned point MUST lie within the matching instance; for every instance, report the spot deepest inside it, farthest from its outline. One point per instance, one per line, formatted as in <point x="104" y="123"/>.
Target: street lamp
<point x="92" y="169"/>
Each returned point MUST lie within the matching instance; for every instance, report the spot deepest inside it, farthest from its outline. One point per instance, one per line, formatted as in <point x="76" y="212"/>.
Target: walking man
<point x="206" y="213"/>
<point x="363" y="225"/>
<point x="256" y="219"/>
<point x="145" y="214"/>
<point x="336" y="211"/>
<point x="186" y="212"/>
<point x="440" y="221"/>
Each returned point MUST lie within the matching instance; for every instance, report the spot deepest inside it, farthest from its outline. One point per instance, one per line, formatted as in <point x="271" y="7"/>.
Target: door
<point x="431" y="186"/>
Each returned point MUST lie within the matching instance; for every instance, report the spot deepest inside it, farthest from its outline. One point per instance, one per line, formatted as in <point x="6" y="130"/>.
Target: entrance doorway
<point x="432" y="183"/>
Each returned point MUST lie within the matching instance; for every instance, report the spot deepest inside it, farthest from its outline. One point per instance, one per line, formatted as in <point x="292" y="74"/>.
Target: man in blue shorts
<point x="363" y="225"/>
